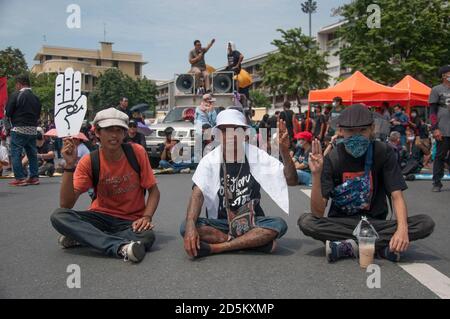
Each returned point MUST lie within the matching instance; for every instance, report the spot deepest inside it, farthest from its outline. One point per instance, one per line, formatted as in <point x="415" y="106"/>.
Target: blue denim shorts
<point x="273" y="223"/>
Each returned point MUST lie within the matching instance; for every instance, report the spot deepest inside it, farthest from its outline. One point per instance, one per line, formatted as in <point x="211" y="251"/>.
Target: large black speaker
<point x="185" y="83"/>
<point x="223" y="82"/>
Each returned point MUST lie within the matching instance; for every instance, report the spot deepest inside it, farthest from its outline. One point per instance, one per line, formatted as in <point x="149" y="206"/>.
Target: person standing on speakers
<point x="198" y="64"/>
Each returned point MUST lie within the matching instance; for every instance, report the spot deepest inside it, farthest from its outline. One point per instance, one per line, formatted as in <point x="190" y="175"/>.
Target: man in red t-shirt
<point x="119" y="219"/>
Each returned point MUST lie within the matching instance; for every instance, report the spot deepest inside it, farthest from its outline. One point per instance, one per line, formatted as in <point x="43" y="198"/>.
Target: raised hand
<point x="316" y="158"/>
<point x="69" y="152"/>
<point x="283" y="136"/>
<point x="70" y="105"/>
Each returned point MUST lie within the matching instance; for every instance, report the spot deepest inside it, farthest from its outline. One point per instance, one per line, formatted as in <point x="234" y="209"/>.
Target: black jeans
<point x="341" y="228"/>
<point x="442" y="149"/>
<point x="99" y="231"/>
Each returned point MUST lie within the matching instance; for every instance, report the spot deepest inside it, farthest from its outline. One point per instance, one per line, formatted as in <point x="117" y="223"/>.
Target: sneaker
<point x="67" y="242"/>
<point x="386" y="253"/>
<point x="335" y="250"/>
<point x="134" y="252"/>
<point x="32" y="181"/>
<point x="436" y="188"/>
<point x="185" y="171"/>
<point x="18" y="182"/>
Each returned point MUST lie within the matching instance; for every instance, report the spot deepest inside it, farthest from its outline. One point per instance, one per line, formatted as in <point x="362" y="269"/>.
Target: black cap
<point x="132" y="123"/>
<point x="355" y="116"/>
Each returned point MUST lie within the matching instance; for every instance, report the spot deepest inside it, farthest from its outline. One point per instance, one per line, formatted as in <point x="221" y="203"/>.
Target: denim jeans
<point x="177" y="167"/>
<point x="20" y="142"/>
<point x="304" y="178"/>
<point x="102" y="232"/>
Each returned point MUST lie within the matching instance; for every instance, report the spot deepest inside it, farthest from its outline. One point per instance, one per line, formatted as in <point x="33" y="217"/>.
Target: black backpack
<point x="95" y="165"/>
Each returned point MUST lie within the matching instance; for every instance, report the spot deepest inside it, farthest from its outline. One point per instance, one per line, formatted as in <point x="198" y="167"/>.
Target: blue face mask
<point x="356" y="145"/>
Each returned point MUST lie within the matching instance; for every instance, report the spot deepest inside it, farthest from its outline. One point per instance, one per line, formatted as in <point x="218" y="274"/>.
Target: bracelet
<point x="70" y="170"/>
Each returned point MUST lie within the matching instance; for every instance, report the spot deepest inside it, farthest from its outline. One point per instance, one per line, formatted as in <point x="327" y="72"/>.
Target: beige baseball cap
<point x="111" y="117"/>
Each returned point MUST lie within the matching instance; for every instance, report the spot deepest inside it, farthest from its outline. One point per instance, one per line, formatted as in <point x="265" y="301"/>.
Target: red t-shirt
<point x="120" y="191"/>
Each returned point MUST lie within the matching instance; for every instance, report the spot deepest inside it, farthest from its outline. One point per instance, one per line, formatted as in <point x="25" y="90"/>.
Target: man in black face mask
<point x="371" y="167"/>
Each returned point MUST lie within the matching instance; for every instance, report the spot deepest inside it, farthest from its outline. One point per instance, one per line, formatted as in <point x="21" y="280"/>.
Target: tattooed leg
<point x="256" y="237"/>
<point x="211" y="235"/>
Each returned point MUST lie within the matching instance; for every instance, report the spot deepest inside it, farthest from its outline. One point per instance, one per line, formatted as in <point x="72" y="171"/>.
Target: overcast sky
<point x="162" y="30"/>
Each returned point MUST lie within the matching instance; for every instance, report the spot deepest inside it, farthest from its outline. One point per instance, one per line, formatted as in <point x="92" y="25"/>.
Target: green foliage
<point x="113" y="84"/>
<point x="259" y="99"/>
<point x="12" y="63"/>
<point x="296" y="67"/>
<point x="414" y="38"/>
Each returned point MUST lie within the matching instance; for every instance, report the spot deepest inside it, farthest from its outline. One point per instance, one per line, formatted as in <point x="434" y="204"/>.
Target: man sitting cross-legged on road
<point x="371" y="167"/>
<point x="119" y="220"/>
<point x="246" y="169"/>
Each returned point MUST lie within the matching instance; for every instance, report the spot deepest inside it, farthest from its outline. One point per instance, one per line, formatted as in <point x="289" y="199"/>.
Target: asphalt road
<point x="33" y="265"/>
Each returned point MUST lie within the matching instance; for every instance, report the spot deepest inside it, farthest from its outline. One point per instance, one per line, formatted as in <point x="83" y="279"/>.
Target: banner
<point x="3" y="96"/>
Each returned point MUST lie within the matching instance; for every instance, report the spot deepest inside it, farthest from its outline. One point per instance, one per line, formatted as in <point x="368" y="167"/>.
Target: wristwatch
<point x="70" y="170"/>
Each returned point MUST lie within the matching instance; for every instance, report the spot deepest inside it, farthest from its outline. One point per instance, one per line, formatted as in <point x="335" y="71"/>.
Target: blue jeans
<point x="20" y="142"/>
<point x="304" y="178"/>
<point x="102" y="232"/>
<point x="276" y="224"/>
<point x="177" y="167"/>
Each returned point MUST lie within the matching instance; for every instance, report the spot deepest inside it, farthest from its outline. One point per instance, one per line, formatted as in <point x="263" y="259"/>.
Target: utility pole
<point x="309" y="7"/>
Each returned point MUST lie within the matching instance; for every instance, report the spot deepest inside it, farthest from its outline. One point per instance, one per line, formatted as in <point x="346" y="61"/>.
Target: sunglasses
<point x="132" y="126"/>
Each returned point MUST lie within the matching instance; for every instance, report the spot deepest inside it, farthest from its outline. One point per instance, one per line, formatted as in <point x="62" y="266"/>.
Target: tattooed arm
<point x="191" y="236"/>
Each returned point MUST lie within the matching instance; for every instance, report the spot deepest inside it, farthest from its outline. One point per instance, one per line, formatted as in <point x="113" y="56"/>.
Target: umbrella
<point x="143" y="129"/>
<point x="53" y="133"/>
<point x="139" y="107"/>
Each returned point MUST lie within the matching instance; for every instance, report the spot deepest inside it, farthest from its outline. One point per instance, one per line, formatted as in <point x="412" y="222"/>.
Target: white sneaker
<point x="67" y="242"/>
<point x="185" y="171"/>
<point x="134" y="252"/>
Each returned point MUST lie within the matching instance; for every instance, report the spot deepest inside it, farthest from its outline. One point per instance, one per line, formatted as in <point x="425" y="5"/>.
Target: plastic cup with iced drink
<point x="366" y="251"/>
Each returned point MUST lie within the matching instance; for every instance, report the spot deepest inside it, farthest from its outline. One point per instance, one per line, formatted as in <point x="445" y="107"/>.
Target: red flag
<point x="3" y="96"/>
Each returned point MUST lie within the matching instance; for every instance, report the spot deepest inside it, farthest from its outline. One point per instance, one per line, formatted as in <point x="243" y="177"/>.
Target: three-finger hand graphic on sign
<point x="70" y="105"/>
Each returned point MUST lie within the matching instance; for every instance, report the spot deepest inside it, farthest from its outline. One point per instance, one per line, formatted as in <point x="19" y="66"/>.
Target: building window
<point x="115" y="64"/>
<point x="98" y="62"/>
<point x="48" y="57"/>
<point x="80" y="59"/>
<point x="137" y="69"/>
<point x="63" y="58"/>
<point x="94" y="81"/>
<point x="86" y="80"/>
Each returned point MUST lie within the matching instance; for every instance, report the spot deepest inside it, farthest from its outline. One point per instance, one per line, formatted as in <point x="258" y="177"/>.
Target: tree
<point x="147" y="93"/>
<point x="414" y="38"/>
<point x="12" y="63"/>
<point x="43" y="86"/>
<point x="259" y="99"/>
<point x="113" y="84"/>
<point x="309" y="7"/>
<point x="296" y="67"/>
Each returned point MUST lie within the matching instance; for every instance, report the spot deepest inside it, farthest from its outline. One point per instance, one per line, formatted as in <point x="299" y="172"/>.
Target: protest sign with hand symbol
<point x="70" y="105"/>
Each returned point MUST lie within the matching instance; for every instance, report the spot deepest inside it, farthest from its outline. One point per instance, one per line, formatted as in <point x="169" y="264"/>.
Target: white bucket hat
<point x="231" y="117"/>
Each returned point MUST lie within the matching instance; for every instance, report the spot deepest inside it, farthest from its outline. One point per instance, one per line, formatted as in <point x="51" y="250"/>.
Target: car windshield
<point x="175" y="115"/>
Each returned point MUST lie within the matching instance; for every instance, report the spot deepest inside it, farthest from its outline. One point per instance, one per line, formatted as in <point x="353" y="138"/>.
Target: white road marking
<point x="434" y="280"/>
<point x="428" y="276"/>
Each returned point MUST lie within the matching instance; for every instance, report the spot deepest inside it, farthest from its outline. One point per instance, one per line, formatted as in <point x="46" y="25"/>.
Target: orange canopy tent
<point x="419" y="93"/>
<point x="360" y="89"/>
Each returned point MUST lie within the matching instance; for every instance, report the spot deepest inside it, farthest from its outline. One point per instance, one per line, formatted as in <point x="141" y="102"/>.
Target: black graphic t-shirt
<point x="243" y="187"/>
<point x="386" y="177"/>
<point x="233" y="58"/>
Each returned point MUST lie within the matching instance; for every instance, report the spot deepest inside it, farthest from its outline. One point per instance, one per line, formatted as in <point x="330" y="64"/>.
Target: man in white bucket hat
<point x="235" y="219"/>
